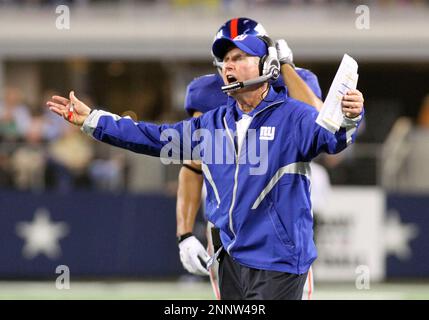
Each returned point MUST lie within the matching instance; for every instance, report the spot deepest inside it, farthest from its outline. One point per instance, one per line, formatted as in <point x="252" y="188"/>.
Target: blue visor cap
<point x="250" y="44"/>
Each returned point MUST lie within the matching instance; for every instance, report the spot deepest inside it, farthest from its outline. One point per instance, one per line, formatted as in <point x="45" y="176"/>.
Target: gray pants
<point x="237" y="282"/>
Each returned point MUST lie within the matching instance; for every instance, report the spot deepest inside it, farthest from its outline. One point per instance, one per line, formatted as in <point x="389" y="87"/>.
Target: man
<point x="204" y="94"/>
<point x="264" y="216"/>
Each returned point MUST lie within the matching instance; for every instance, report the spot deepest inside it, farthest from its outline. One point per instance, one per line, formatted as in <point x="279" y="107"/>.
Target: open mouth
<point x="231" y="79"/>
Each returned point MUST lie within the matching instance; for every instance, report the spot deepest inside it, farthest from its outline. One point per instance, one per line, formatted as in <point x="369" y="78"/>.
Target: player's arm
<point x="188" y="202"/>
<point x="188" y="194"/>
<point x="297" y="87"/>
<point x="305" y="91"/>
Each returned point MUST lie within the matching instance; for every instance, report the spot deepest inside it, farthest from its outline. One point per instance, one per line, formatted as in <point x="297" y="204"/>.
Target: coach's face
<point x="239" y="66"/>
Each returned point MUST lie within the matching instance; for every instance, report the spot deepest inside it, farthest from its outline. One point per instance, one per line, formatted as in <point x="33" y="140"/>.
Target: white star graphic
<point x="41" y="235"/>
<point x="398" y="235"/>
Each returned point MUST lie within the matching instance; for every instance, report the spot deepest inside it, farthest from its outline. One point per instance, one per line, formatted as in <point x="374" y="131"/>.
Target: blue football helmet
<point x="235" y="27"/>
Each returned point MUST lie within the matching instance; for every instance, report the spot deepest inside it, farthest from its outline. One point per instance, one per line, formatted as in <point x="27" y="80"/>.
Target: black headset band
<point x="268" y="41"/>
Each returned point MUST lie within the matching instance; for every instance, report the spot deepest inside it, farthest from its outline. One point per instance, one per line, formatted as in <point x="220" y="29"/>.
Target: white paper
<point x="331" y="116"/>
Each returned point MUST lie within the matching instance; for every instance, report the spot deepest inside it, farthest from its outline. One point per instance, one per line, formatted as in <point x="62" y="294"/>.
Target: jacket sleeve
<point x="312" y="139"/>
<point x="166" y="140"/>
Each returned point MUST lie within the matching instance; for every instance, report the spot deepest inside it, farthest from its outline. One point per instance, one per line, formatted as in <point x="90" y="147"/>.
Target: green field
<point x="191" y="290"/>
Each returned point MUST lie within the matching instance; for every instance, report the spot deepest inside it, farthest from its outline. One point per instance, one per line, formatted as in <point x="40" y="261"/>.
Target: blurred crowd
<point x="38" y="150"/>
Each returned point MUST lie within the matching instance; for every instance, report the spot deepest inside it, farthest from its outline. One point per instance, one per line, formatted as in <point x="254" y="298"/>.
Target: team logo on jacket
<point x="267" y="133"/>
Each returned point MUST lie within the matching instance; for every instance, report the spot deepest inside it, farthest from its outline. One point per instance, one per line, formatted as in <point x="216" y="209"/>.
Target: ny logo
<point x="240" y="37"/>
<point x="267" y="133"/>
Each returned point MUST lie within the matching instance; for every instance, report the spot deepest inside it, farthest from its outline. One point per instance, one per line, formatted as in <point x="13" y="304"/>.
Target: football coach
<point x="265" y="220"/>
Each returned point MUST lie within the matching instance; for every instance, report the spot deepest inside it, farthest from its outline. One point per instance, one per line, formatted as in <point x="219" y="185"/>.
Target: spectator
<point x="69" y="157"/>
<point x="107" y="169"/>
<point x="14" y="122"/>
<point x="15" y="117"/>
<point x="28" y="160"/>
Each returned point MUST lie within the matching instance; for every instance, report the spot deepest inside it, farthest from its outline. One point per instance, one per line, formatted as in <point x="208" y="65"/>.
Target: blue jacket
<point x="265" y="219"/>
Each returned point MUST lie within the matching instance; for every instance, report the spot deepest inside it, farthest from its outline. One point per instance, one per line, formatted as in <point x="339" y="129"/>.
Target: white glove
<point x="284" y="52"/>
<point x="190" y="250"/>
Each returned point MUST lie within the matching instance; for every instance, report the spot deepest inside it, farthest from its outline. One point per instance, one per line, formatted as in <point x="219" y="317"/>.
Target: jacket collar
<point x="271" y="97"/>
<point x="234" y="113"/>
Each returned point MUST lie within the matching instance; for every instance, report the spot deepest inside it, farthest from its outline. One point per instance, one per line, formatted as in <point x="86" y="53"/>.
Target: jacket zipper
<point x="237" y="157"/>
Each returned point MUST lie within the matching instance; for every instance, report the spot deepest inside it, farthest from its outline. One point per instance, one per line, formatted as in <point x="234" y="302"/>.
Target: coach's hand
<point x="352" y="103"/>
<point x="191" y="251"/>
<point x="73" y="110"/>
<point x="284" y="53"/>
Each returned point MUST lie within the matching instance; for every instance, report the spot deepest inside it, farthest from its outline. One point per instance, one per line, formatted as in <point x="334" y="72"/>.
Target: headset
<point x="269" y="68"/>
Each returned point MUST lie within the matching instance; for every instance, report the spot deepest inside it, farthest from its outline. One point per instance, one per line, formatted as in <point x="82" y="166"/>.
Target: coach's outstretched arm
<point x="141" y="137"/>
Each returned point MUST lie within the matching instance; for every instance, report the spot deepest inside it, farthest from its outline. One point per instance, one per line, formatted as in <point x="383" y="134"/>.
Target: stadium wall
<point x="107" y="235"/>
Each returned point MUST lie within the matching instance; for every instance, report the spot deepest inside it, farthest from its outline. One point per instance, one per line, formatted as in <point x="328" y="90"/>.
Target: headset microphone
<point x="261" y="79"/>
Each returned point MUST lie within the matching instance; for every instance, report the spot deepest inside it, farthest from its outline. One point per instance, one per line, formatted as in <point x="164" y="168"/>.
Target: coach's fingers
<point x="353" y="95"/>
<point x="79" y="107"/>
<point x="352" y="109"/>
<point x="350" y="113"/>
<point x="351" y="104"/>
<point x="62" y="100"/>
<point x="57" y="111"/>
<point x="72" y="97"/>
<point x="57" y="106"/>
<point x="357" y="109"/>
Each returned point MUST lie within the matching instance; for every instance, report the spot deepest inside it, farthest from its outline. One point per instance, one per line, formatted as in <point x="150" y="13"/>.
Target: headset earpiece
<point x="269" y="64"/>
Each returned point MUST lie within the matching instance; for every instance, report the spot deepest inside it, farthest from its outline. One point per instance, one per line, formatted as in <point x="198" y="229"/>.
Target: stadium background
<point x="109" y="215"/>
